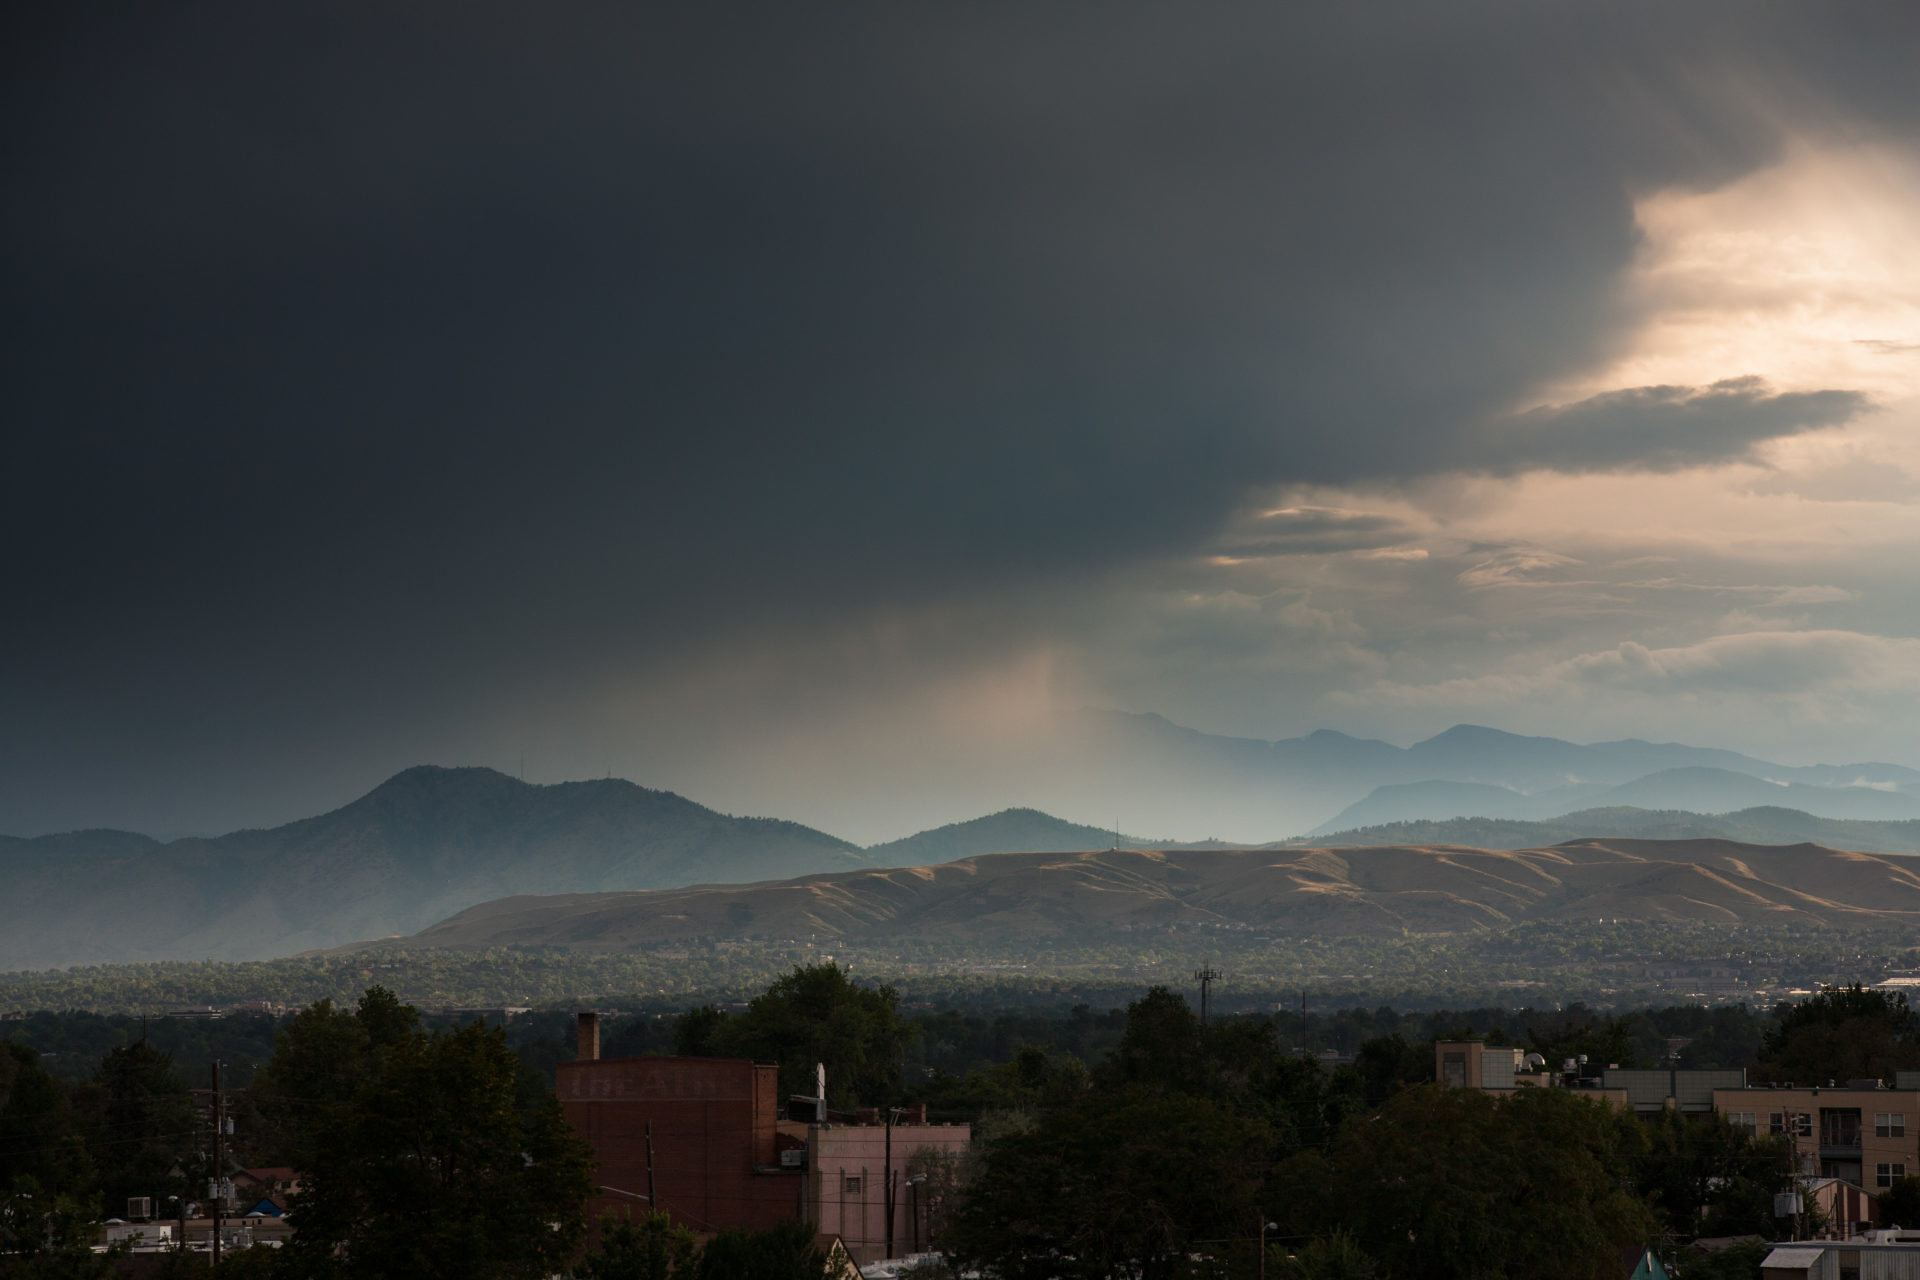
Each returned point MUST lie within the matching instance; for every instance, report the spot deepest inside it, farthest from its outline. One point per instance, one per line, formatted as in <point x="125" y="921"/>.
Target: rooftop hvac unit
<point x="139" y="1208"/>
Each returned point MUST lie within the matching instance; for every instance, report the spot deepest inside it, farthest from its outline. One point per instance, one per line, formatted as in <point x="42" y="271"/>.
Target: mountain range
<point x="1747" y="826"/>
<point x="1001" y="898"/>
<point x="422" y="845"/>
<point x="431" y="842"/>
<point x="1694" y="789"/>
<point x="1249" y="790"/>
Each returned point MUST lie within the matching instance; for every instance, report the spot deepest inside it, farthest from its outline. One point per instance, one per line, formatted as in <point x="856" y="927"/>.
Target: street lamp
<point x="1265" y="1227"/>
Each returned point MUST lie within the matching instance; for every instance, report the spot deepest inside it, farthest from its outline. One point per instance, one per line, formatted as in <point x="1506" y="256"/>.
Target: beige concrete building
<point x="848" y="1169"/>
<point x="1861" y="1132"/>
<point x="1470" y="1064"/>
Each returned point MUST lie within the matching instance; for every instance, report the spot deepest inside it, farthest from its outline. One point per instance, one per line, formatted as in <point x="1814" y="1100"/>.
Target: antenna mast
<point x="1206" y="978"/>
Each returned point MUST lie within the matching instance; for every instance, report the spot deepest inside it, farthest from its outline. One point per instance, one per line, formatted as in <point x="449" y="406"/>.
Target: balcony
<point x="1840" y="1134"/>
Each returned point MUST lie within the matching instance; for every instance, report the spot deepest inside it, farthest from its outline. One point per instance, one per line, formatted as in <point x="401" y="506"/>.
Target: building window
<point x="850" y="1185"/>
<point x="1885" y="1175"/>
<point x="1741" y="1120"/>
<point x="1889" y="1124"/>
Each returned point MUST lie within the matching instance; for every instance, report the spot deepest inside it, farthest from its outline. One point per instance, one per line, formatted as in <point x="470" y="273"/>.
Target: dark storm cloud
<point x="1662" y="428"/>
<point x="356" y="358"/>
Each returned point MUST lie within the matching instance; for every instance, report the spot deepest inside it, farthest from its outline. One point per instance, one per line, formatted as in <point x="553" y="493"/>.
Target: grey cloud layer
<point x="357" y="365"/>
<point x="1665" y="428"/>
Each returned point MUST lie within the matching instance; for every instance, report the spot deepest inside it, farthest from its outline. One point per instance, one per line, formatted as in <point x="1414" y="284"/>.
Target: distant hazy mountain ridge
<point x="1695" y="789"/>
<point x="427" y="842"/>
<point x="1252" y="790"/>
<point x="1748" y="826"/>
<point x="1004" y="898"/>
<point x="1009" y="831"/>
<point x="431" y="842"/>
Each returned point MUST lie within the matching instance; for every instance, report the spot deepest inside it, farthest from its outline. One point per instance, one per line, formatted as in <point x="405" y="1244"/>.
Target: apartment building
<point x="1863" y="1131"/>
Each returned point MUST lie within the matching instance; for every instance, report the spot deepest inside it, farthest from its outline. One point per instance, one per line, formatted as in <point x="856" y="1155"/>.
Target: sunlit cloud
<point x="1806" y="273"/>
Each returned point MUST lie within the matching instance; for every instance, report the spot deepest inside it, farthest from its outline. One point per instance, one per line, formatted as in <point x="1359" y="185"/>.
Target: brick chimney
<point x="587" y="1042"/>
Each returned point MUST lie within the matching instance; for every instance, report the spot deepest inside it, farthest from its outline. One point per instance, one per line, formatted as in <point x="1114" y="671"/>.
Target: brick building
<point x="695" y="1135"/>
<point x="704" y="1139"/>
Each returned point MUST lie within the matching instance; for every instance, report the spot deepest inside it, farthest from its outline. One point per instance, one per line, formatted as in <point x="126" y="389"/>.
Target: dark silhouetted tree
<point x="1899" y="1204"/>
<point x="653" y="1248"/>
<point x="1453" y="1184"/>
<point x="1839" y="1034"/>
<point x="1134" y="1182"/>
<point x="433" y="1169"/>
<point x="784" y="1251"/>
<point x="142" y="1125"/>
<point x="816" y="1014"/>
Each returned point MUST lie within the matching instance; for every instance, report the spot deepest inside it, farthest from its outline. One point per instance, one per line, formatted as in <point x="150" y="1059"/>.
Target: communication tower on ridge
<point x="1206" y="978"/>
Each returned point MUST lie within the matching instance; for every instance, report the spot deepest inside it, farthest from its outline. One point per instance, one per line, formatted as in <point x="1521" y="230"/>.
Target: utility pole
<point x="219" y="1151"/>
<point x="653" y="1205"/>
<point x="1793" y="1166"/>
<point x="1206" y="978"/>
<point x="893" y="1113"/>
<point x="1303" y="1023"/>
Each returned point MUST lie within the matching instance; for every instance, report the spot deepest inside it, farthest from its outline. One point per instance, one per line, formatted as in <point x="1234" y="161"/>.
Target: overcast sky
<point x="797" y="407"/>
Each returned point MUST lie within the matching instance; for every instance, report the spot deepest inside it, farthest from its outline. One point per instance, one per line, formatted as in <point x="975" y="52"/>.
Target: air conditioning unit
<point x="793" y="1158"/>
<point x="139" y="1208"/>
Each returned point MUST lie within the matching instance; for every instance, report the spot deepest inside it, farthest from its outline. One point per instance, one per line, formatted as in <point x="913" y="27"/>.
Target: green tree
<point x="696" y="1033"/>
<point x="1133" y="1182"/>
<point x="1334" y="1257"/>
<point x="1237" y="1063"/>
<point x="1736" y="1262"/>
<point x="1707" y="1177"/>
<point x="260" y="1262"/>
<point x="1454" y="1184"/>
<point x="142" y="1125"/>
<point x="783" y="1251"/>
<point x="1576" y="1031"/>
<point x="320" y="1061"/>
<point x="48" y="1235"/>
<point x="652" y="1249"/>
<point x="434" y="1170"/>
<point x="816" y="1014"/>
<point x="1033" y="1080"/>
<point x="1839" y="1034"/>
<point x="1899" y="1204"/>
<point x="1384" y="1065"/>
<point x="40" y="1132"/>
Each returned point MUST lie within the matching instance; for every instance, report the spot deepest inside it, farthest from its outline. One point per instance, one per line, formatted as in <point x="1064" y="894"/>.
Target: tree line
<point x="1141" y="1142"/>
